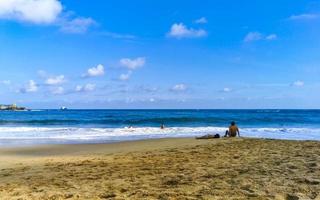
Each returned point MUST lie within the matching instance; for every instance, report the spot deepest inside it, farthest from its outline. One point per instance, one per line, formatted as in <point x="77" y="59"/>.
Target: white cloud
<point x="32" y="11"/>
<point x="181" y="31"/>
<point x="95" y="71"/>
<point x="48" y="12"/>
<point x="77" y="25"/>
<point x="42" y="73"/>
<point x="305" y="16"/>
<point x="179" y="87"/>
<point x="6" y="82"/>
<point x="227" y="89"/>
<point x="125" y="77"/>
<point x="253" y="36"/>
<point x="201" y="20"/>
<point x="271" y="37"/>
<point x="86" y="88"/>
<point x="118" y="35"/>
<point x="55" y="80"/>
<point x="298" y="83"/>
<point x="58" y="90"/>
<point x="152" y="100"/>
<point x="30" y="87"/>
<point x="256" y="36"/>
<point x="133" y="64"/>
<point x="148" y="89"/>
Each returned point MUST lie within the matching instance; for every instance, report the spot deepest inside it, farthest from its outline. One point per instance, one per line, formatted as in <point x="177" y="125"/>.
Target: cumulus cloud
<point x="32" y="11"/>
<point x="305" y="16"/>
<point x="256" y="36"/>
<point x="47" y="12"/>
<point x="298" y="83"/>
<point x="125" y="77"/>
<point x="31" y="86"/>
<point x="55" y="80"/>
<point x="133" y="64"/>
<point x="201" y="20"/>
<point x="179" y="30"/>
<point x="95" y="71"/>
<point x="85" y="88"/>
<point x="179" y="88"/>
<point x="77" y="25"/>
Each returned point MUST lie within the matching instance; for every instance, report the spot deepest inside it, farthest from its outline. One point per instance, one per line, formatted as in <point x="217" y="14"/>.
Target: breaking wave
<point x="121" y="134"/>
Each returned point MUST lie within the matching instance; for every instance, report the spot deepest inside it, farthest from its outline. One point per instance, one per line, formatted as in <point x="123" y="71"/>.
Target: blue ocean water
<point x="85" y="126"/>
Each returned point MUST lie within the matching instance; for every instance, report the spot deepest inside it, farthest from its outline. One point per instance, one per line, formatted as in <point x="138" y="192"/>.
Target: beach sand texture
<point x="182" y="168"/>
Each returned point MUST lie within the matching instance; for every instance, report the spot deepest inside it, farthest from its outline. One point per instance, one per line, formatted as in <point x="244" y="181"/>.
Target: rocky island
<point x="12" y="107"/>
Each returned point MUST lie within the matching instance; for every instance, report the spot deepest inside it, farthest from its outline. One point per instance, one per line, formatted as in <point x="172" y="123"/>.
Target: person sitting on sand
<point x="233" y="130"/>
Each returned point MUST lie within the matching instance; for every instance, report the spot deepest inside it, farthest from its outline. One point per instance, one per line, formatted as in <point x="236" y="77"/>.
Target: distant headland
<point x="12" y="107"/>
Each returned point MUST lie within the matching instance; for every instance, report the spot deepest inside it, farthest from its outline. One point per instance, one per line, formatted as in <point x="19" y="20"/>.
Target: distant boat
<point x="63" y="108"/>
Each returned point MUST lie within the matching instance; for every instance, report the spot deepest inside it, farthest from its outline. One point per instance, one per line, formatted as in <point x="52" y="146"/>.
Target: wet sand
<point x="182" y="168"/>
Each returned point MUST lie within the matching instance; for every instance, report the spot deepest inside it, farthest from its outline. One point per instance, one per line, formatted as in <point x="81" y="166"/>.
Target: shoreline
<point x="17" y="144"/>
<point x="170" y="168"/>
<point x="112" y="146"/>
<point x="33" y="135"/>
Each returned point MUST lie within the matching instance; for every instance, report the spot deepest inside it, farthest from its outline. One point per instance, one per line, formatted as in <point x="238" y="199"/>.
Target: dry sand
<point x="164" y="169"/>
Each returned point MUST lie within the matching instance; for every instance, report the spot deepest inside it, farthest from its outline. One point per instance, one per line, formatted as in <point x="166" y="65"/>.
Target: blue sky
<point x="160" y="54"/>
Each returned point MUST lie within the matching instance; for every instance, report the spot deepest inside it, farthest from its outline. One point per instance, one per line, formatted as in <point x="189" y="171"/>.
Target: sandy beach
<point x="182" y="168"/>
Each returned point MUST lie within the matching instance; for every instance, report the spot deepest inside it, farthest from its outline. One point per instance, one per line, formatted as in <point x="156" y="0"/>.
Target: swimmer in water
<point x="162" y="126"/>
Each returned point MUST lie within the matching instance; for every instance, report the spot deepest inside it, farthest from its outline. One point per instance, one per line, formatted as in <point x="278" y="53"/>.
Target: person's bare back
<point x="233" y="130"/>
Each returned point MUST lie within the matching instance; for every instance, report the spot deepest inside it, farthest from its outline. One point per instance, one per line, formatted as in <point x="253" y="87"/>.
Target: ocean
<point x="99" y="126"/>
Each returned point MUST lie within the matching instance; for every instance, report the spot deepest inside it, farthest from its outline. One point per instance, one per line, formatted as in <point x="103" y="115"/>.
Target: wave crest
<point x="75" y="133"/>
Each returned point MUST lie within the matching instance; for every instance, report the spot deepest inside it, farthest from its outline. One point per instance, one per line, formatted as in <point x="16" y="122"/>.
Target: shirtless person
<point x="233" y="130"/>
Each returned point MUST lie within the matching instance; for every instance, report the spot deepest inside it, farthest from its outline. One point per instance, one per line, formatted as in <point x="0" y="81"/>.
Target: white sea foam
<point x="110" y="134"/>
